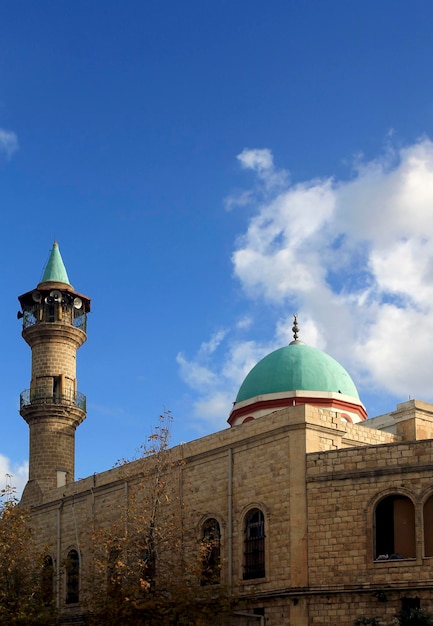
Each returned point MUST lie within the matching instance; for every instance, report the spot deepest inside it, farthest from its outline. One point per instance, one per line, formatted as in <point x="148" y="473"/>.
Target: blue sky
<point x="209" y="169"/>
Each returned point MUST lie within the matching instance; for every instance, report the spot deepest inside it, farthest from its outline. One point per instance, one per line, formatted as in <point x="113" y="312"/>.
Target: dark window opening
<point x="395" y="529"/>
<point x="259" y="611"/>
<point x="51" y="312"/>
<point x="409" y="604"/>
<point x="210" y="553"/>
<point x="57" y="389"/>
<point x="254" y="545"/>
<point x="72" y="577"/>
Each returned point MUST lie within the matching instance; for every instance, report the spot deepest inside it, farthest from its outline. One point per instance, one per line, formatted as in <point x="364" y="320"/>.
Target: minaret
<point x="54" y="326"/>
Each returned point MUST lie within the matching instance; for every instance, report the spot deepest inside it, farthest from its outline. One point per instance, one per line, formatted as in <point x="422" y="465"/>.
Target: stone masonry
<point x="316" y="479"/>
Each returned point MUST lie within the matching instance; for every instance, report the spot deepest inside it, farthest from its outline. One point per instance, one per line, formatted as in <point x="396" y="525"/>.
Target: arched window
<point x="72" y="577"/>
<point x="395" y="528"/>
<point x="428" y="527"/>
<point x="47" y="580"/>
<point x="210" y="552"/>
<point x="254" y="545"/>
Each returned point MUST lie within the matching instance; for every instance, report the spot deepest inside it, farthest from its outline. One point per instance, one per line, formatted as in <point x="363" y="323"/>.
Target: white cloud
<point x="13" y="474"/>
<point x="396" y="352"/>
<point x="209" y="347"/>
<point x="357" y="257"/>
<point x="216" y="380"/>
<point x="354" y="258"/>
<point x="212" y="408"/>
<point x="258" y="160"/>
<point x="244" y="322"/>
<point x="8" y="143"/>
<point x="279" y="252"/>
<point x="240" y="199"/>
<point x="390" y="198"/>
<point x="195" y="374"/>
<point x="261" y="162"/>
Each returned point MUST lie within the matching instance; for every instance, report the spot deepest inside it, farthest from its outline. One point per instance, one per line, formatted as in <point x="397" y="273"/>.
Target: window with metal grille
<point x="254" y="545"/>
<point x="72" y="577"/>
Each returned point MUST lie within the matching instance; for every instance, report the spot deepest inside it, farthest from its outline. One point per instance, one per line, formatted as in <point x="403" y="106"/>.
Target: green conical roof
<point x="297" y="367"/>
<point x="55" y="271"/>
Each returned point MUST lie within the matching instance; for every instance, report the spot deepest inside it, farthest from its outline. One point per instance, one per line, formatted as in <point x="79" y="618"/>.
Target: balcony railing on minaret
<point x="30" y="397"/>
<point x="49" y="312"/>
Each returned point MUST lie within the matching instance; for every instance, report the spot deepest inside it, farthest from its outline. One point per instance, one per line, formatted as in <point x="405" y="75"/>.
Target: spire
<point x="55" y="271"/>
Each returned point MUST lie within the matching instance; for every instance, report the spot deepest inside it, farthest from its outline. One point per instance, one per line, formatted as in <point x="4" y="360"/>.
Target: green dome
<point x="296" y="367"/>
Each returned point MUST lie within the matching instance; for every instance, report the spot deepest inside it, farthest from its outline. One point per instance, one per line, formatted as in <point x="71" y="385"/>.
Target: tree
<point x="415" y="617"/>
<point x="363" y="620"/>
<point x="140" y="565"/>
<point x="406" y="617"/>
<point x="25" y="576"/>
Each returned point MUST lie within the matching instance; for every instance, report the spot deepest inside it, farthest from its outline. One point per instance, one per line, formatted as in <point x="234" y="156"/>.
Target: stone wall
<point x="315" y="478"/>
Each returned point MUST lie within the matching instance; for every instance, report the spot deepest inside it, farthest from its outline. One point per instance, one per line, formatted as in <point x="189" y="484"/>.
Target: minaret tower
<point x="54" y="326"/>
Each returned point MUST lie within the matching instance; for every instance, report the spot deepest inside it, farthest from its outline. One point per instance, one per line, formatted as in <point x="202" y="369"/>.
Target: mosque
<point x="320" y="513"/>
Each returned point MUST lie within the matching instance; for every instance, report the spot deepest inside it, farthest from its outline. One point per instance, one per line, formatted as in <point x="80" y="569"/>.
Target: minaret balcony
<point x="54" y="312"/>
<point x="30" y="397"/>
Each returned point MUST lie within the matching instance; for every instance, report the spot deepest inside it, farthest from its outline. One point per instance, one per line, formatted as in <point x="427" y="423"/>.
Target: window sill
<point x="253" y="581"/>
<point x="394" y="562"/>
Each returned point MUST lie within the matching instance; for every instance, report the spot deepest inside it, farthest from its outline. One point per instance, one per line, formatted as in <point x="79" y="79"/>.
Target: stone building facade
<point x="322" y="515"/>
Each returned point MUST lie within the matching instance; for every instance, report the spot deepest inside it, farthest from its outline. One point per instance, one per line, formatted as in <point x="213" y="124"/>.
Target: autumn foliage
<point x="140" y="562"/>
<point x="24" y="596"/>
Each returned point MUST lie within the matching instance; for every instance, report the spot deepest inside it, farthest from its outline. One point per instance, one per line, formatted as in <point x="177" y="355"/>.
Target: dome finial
<point x="295" y="329"/>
